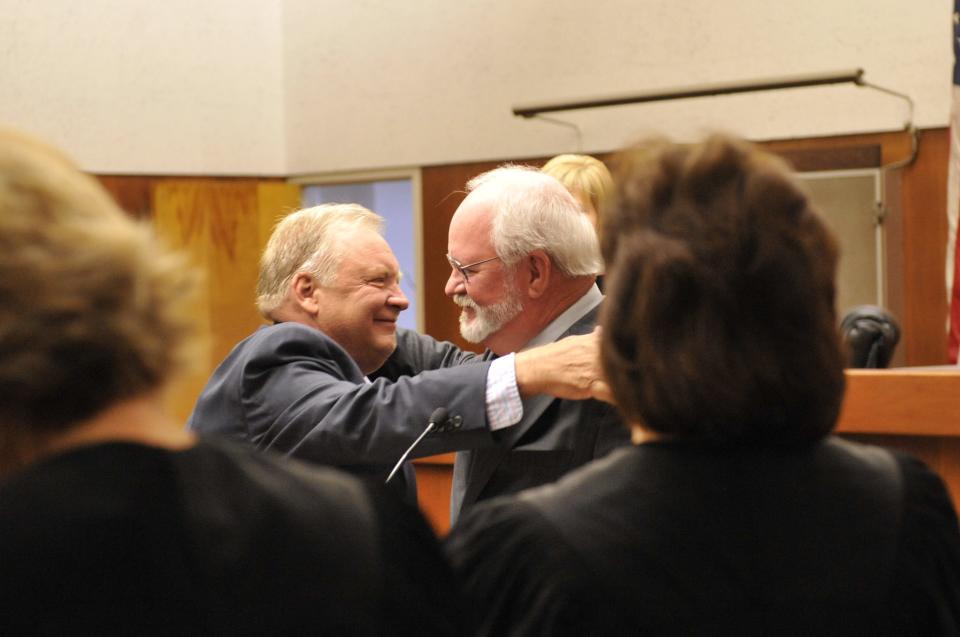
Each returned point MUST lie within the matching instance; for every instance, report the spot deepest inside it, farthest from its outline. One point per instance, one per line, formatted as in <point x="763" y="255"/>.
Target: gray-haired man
<point x="523" y="262"/>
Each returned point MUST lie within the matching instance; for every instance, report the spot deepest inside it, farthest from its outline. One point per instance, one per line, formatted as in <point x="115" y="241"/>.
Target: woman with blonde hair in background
<point x="588" y="180"/>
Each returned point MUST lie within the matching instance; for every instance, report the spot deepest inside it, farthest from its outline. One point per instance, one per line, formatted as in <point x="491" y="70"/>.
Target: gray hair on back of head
<point x="308" y="240"/>
<point x="534" y="211"/>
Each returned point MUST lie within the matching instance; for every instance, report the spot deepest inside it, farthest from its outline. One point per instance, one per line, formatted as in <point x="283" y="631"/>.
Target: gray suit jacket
<point x="553" y="437"/>
<point x="291" y="388"/>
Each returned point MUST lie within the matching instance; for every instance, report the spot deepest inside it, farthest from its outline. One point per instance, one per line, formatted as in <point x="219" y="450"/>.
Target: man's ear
<point x="538" y="268"/>
<point x="304" y="293"/>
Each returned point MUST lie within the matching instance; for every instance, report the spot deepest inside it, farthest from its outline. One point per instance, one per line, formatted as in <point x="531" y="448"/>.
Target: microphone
<point x="439" y="415"/>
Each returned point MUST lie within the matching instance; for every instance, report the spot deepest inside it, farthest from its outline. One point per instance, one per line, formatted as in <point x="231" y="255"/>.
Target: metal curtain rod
<point x="854" y="76"/>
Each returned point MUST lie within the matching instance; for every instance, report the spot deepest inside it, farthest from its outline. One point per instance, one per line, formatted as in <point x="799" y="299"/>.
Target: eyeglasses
<point x="462" y="269"/>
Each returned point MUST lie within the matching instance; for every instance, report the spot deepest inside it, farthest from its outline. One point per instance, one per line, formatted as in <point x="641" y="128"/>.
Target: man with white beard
<point x="524" y="261"/>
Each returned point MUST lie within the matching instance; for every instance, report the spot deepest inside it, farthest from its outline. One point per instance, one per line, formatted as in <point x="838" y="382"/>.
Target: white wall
<point x="299" y="86"/>
<point x="380" y="83"/>
<point x="147" y="86"/>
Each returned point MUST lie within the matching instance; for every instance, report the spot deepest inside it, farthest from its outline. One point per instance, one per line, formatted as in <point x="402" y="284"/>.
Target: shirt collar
<point x="571" y="315"/>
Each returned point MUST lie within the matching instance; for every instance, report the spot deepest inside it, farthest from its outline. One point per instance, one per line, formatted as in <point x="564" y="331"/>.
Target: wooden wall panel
<point x="222" y="224"/>
<point x="275" y="200"/>
<point x="443" y="191"/>
<point x="434" y="481"/>
<point x="913" y="411"/>
<point x="133" y="194"/>
<point x="916" y="241"/>
<point x="921" y="401"/>
<point x="924" y="247"/>
<point x="217" y="224"/>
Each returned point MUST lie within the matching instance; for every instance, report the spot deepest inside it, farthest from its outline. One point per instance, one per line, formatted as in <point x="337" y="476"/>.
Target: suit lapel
<point x="474" y="468"/>
<point x="461" y="472"/>
<point x="483" y="462"/>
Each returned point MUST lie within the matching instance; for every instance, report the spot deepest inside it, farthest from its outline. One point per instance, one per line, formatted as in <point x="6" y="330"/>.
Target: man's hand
<point x="568" y="368"/>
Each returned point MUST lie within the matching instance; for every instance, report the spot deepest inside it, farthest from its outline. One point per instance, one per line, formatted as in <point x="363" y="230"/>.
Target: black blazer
<point x="690" y="538"/>
<point x="553" y="437"/>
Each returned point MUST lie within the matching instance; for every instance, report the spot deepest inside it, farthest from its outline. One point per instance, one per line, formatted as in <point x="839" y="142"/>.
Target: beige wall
<point x="282" y="87"/>
<point x="147" y="87"/>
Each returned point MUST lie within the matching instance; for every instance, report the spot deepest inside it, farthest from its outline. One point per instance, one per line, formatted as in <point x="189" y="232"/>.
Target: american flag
<point x="953" y="199"/>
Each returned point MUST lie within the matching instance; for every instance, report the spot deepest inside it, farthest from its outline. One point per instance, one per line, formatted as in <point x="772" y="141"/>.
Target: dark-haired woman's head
<point x="719" y="321"/>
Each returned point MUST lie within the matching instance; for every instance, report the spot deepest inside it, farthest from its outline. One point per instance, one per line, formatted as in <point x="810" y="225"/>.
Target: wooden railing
<point x="916" y="410"/>
<point x="919" y="401"/>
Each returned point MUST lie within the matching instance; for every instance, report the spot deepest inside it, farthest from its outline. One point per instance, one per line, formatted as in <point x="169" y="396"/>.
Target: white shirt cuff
<point x="504" y="407"/>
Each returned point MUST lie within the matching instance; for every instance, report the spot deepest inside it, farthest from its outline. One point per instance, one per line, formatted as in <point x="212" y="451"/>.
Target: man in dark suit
<point x="330" y="284"/>
<point x="523" y="268"/>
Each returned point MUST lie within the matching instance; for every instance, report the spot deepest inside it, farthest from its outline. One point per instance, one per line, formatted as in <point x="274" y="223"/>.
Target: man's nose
<point x="455" y="284"/>
<point x="398" y="299"/>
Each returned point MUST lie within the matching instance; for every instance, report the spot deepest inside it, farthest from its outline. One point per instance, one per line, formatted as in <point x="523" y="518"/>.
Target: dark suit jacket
<point x="291" y="388"/>
<point x="691" y="538"/>
<point x="553" y="437"/>
<point x="121" y="538"/>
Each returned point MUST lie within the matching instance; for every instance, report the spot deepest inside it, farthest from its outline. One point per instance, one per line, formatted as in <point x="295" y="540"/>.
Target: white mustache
<point x="464" y="301"/>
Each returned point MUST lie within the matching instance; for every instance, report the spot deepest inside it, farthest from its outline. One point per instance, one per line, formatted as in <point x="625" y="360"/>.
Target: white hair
<point x="308" y="240"/>
<point x="533" y="211"/>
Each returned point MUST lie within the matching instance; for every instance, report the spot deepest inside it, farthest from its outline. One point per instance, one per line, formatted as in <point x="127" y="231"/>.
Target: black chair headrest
<point x="871" y="335"/>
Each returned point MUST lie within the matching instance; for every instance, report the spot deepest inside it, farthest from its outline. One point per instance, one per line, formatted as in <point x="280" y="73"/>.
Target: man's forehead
<point x="360" y="240"/>
<point x="475" y="213"/>
<point x="367" y="249"/>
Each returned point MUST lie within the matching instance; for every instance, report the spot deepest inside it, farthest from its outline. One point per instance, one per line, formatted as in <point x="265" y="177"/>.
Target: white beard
<point x="487" y="320"/>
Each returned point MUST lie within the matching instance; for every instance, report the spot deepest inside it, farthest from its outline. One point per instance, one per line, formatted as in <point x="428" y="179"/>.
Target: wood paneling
<point x="916" y="239"/>
<point x="433" y="493"/>
<point x="914" y="401"/>
<point x="222" y="225"/>
<point x="275" y="200"/>
<point x="839" y="158"/>
<point x="912" y="410"/>
<point x="133" y="194"/>
<point x="443" y="191"/>
<point x="916" y="411"/>
<point x="217" y="224"/>
<point x="924" y="245"/>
